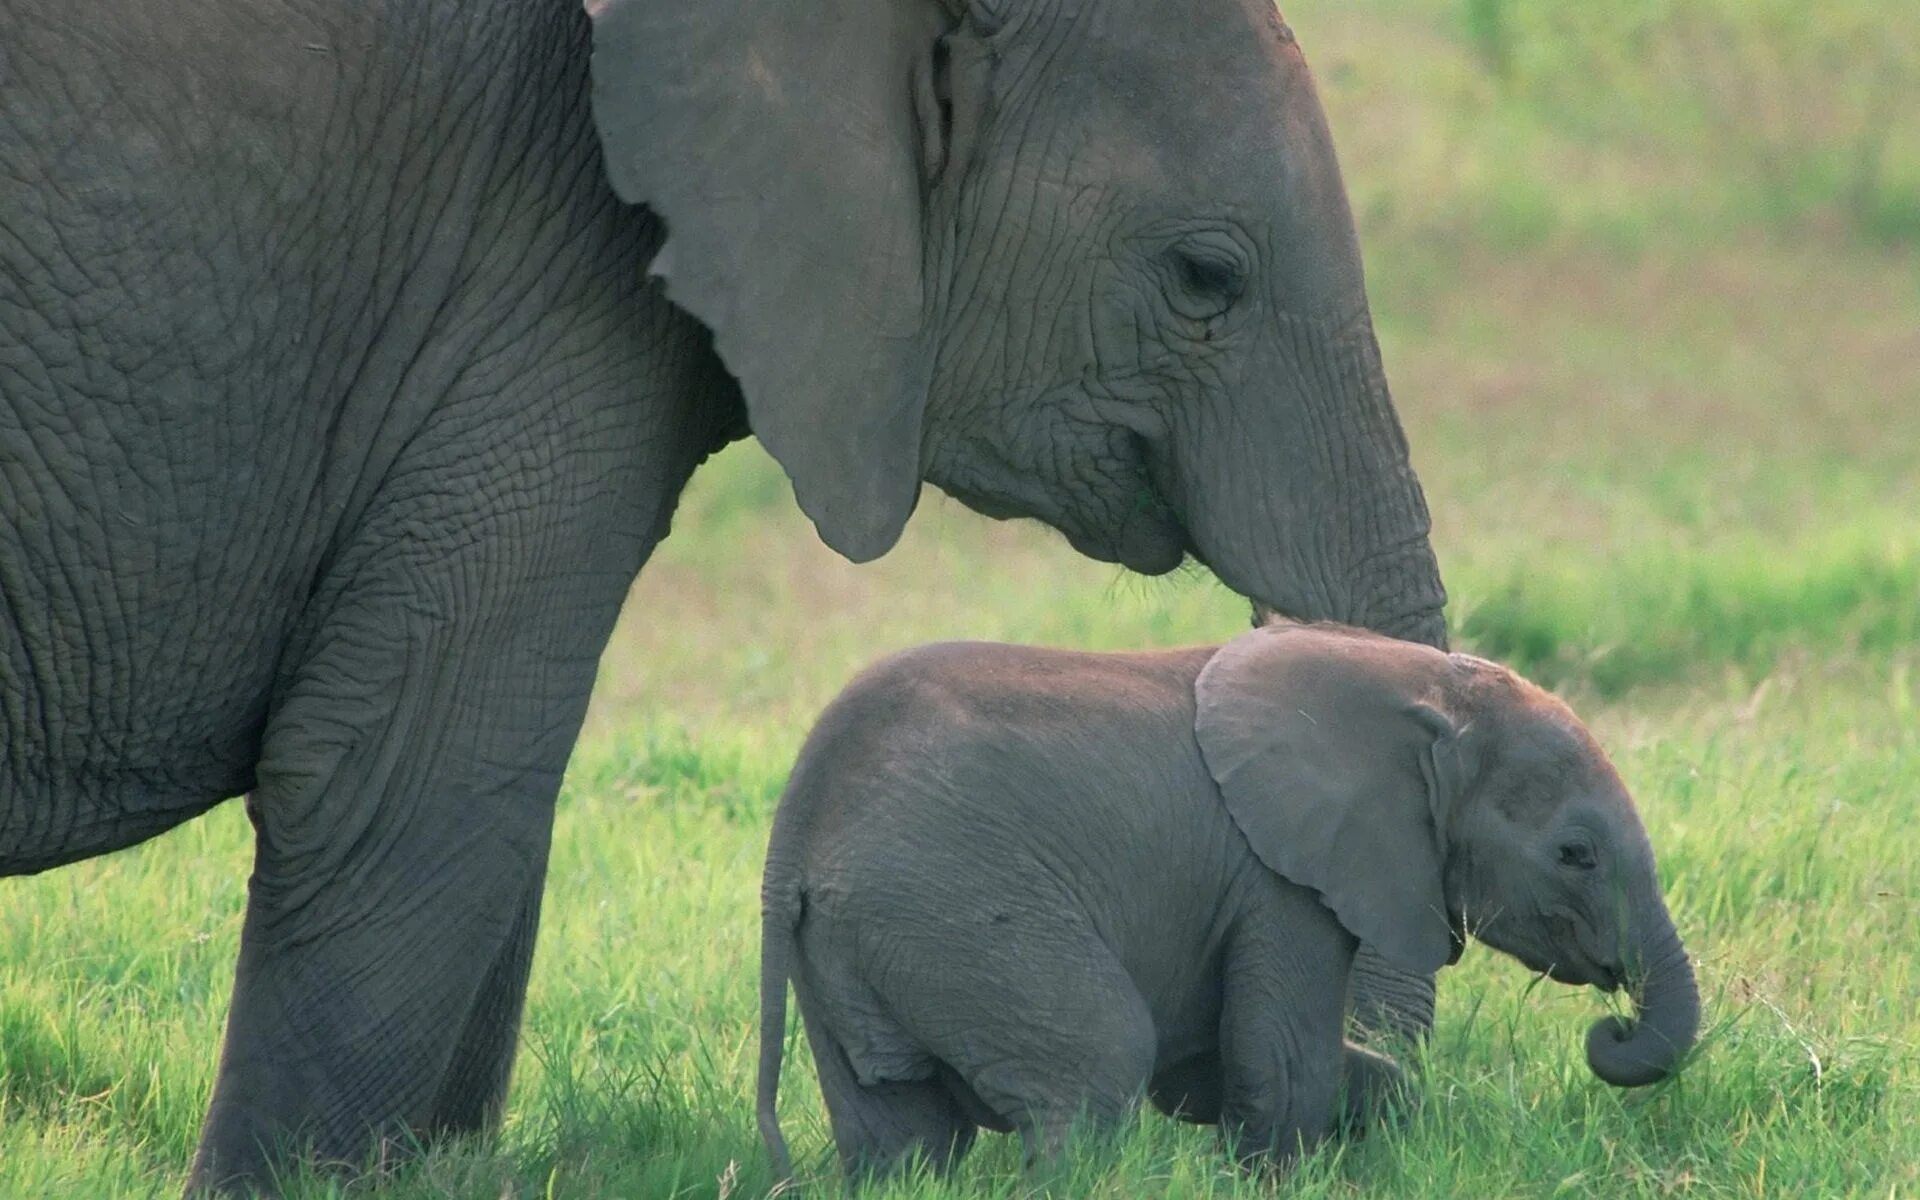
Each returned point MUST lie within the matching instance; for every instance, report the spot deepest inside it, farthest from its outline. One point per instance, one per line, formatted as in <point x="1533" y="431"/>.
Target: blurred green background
<point x="1647" y="276"/>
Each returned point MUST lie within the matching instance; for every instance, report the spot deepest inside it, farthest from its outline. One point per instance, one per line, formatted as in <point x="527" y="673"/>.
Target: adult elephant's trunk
<point x="1312" y="508"/>
<point x="1666" y="1019"/>
<point x="1292" y="478"/>
<point x="1426" y="626"/>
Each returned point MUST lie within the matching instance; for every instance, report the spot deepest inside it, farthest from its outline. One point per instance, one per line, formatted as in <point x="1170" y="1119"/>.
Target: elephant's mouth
<point x="1585" y="974"/>
<point x="1573" y="963"/>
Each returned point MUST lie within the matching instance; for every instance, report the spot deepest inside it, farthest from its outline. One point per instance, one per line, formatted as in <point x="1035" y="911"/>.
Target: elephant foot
<point x="354" y="1081"/>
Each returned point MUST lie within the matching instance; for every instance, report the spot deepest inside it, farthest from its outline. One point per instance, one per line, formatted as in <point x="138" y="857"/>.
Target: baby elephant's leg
<point x="1282" y="1056"/>
<point x="1190" y="1088"/>
<point x="1086" y="1080"/>
<point x="1054" y="1036"/>
<point x="878" y="1127"/>
<point x="881" y="1127"/>
<point x="1373" y="1091"/>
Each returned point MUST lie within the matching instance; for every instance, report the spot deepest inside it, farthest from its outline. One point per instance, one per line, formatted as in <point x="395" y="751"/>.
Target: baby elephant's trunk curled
<point x="1667" y="1015"/>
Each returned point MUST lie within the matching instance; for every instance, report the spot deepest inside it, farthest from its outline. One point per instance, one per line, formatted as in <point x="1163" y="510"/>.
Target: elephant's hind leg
<point x="1053" y="1037"/>
<point x="1084" y="1080"/>
<point x="879" y="1127"/>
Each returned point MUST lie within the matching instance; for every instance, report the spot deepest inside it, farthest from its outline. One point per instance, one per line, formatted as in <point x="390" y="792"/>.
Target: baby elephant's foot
<point x="1375" y="1092"/>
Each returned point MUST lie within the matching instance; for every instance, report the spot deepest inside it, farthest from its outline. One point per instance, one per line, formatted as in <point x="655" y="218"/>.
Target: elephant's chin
<point x="1150" y="541"/>
<point x="1152" y="552"/>
<point x="1146" y="544"/>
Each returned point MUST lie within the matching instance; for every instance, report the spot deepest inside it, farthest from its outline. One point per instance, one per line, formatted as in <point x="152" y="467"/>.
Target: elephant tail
<point x="779" y="920"/>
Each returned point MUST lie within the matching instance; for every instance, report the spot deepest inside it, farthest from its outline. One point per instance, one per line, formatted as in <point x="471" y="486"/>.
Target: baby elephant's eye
<point x="1577" y="855"/>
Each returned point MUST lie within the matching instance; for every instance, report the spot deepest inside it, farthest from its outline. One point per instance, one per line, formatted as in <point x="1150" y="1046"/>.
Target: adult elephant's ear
<point x="1332" y="749"/>
<point x="778" y="141"/>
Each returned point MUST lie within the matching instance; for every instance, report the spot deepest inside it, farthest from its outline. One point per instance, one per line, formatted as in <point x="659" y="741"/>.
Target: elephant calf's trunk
<point x="1645" y="1050"/>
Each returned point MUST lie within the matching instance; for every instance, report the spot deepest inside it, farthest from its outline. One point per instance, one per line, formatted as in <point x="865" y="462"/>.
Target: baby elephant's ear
<point x="1322" y="741"/>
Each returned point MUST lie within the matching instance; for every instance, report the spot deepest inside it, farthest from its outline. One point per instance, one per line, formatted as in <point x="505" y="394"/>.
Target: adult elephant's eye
<point x="1206" y="276"/>
<point x="1209" y="275"/>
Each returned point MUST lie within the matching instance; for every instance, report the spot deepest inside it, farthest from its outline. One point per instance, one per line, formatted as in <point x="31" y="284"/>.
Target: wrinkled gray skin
<point x="341" y="399"/>
<point x="1012" y="885"/>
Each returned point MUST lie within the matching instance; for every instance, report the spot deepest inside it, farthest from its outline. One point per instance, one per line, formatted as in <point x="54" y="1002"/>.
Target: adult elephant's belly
<point x="217" y="331"/>
<point x="157" y="312"/>
<point x="150" y="575"/>
<point x="181" y="440"/>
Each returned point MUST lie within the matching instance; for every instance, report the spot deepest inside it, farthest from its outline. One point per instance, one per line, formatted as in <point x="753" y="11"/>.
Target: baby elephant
<point x="1017" y="887"/>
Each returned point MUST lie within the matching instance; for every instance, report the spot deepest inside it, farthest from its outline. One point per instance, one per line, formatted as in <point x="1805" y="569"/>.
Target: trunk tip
<point x="1628" y="1053"/>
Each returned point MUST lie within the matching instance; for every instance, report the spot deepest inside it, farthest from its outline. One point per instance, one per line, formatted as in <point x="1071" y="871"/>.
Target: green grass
<point x="1773" y="815"/>
<point x="1670" y="442"/>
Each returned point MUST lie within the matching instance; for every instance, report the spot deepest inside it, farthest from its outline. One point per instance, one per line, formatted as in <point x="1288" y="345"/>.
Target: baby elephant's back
<point x="977" y="768"/>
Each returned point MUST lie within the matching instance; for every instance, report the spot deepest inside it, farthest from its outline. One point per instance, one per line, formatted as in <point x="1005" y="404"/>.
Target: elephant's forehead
<point x="1201" y="82"/>
<point x="1545" y="758"/>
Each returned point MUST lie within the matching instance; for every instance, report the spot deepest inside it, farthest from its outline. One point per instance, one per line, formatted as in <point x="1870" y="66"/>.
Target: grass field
<point x="1671" y="438"/>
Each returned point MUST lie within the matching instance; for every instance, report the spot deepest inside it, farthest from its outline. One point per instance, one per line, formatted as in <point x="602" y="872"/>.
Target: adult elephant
<point x="340" y="402"/>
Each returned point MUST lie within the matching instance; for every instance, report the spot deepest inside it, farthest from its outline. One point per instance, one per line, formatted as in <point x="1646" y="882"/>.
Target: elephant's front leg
<point x="1389" y="1003"/>
<point x="1189" y="1090"/>
<point x="403" y="812"/>
<point x="1282" y="1056"/>
<point x="1373" y="1090"/>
